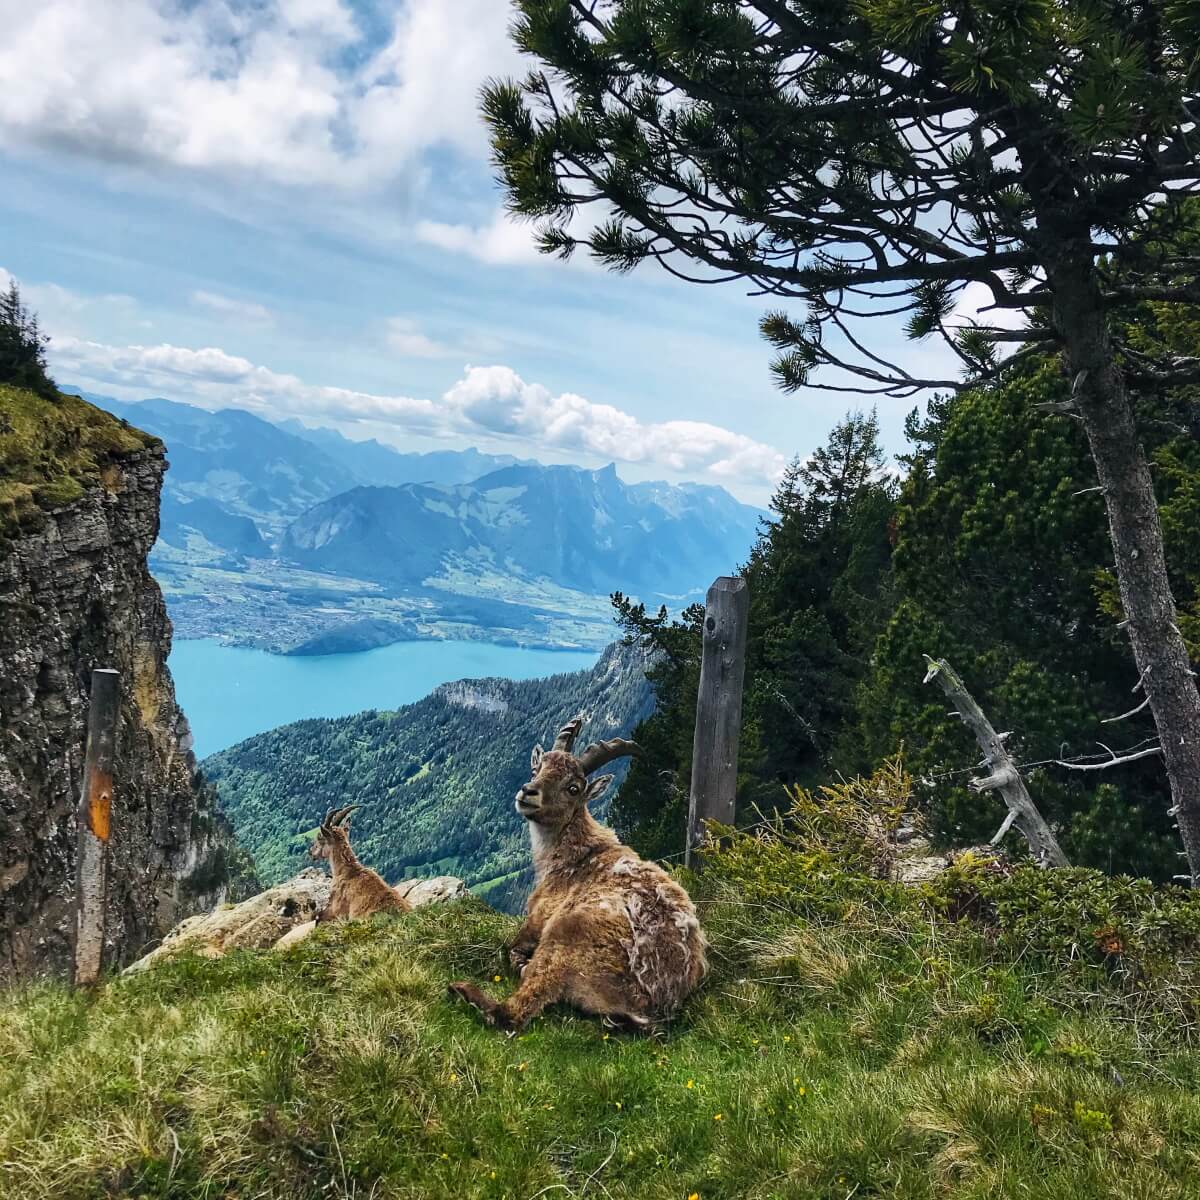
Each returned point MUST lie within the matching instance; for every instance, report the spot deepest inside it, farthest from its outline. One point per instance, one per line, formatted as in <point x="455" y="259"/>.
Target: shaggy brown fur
<point x="357" y="890"/>
<point x="606" y="931"/>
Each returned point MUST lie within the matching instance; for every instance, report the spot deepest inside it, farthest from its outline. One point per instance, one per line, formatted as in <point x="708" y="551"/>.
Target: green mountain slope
<point x="965" y="1041"/>
<point x="436" y="778"/>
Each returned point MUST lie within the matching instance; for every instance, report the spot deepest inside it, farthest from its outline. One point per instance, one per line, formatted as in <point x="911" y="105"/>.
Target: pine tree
<point x="818" y="597"/>
<point x="879" y="157"/>
<point x="22" y="345"/>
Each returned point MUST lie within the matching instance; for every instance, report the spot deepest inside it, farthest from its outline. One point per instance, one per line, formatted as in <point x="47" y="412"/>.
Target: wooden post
<point x="1002" y="775"/>
<point x="718" y="710"/>
<point x="95" y="826"/>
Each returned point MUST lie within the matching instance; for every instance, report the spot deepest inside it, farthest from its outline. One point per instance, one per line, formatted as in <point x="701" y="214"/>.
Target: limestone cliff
<point x="79" y="495"/>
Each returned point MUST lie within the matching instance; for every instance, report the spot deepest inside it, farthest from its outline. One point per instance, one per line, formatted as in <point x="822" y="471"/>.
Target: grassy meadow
<point x="854" y="1040"/>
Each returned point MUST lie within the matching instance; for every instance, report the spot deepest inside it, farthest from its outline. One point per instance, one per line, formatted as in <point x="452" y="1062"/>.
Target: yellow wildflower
<point x="719" y="1117"/>
<point x="495" y="978"/>
<point x="691" y="1083"/>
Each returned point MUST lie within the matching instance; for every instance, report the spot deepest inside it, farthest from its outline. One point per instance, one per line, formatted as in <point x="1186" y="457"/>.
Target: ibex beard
<point x="605" y="931"/>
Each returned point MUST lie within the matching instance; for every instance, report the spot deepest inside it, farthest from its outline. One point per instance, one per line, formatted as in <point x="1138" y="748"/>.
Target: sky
<point x="287" y="206"/>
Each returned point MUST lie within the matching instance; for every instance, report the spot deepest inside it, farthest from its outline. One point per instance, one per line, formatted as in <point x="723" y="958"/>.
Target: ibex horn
<point x="335" y="816"/>
<point x="568" y="733"/>
<point x="599" y="753"/>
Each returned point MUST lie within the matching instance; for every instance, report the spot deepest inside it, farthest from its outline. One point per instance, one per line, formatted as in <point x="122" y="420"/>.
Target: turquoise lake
<point x="230" y="693"/>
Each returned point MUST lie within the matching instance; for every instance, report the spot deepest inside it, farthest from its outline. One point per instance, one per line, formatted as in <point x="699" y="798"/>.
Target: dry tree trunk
<point x="1002" y="775"/>
<point x="1161" y="656"/>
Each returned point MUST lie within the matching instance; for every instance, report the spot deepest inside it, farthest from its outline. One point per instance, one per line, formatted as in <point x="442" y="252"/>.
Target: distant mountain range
<point x="375" y="465"/>
<point x="273" y="473"/>
<point x="293" y="538"/>
<point x="581" y="529"/>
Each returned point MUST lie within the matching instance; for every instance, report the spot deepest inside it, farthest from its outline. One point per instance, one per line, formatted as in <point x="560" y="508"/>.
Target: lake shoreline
<point x="231" y="693"/>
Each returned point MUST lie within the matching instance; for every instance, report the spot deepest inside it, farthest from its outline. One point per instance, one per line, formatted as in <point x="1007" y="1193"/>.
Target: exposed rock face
<point x="75" y="594"/>
<point x="438" y="890"/>
<point x="254" y="924"/>
<point x="280" y="917"/>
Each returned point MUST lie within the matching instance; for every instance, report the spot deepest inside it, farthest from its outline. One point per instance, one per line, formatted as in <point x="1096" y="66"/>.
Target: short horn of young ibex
<point x="357" y="890"/>
<point x="606" y="931"/>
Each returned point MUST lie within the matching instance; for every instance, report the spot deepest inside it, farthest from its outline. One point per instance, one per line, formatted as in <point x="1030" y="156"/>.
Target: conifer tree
<point x="22" y="345"/>
<point x="871" y="157"/>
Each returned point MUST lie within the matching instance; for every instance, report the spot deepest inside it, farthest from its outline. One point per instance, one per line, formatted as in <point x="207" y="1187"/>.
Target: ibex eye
<point x="574" y="789"/>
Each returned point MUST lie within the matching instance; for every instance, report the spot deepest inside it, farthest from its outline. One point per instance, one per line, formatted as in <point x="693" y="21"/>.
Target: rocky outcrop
<point x="75" y="594"/>
<point x="254" y="924"/>
<point x="280" y="917"/>
<point x="438" y="890"/>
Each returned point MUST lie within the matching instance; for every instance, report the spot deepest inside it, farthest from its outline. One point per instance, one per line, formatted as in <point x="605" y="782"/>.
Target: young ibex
<point x="607" y="932"/>
<point x="357" y="890"/>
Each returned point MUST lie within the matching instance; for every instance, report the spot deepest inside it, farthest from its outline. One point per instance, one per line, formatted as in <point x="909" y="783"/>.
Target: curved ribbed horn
<point x="599" y="753"/>
<point x="335" y="816"/>
<point x="567" y="734"/>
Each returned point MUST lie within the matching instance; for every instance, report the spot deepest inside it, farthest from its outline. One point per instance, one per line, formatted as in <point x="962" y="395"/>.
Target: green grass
<point x="827" y="1058"/>
<point x="51" y="451"/>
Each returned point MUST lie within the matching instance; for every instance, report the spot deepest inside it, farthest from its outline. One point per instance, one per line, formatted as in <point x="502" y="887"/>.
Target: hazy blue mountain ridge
<point x="218" y="526"/>
<point x="231" y="457"/>
<point x="586" y="530"/>
<point x="375" y="465"/>
<point x="271" y="537"/>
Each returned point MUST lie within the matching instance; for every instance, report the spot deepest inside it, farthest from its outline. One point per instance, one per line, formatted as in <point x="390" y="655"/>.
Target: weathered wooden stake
<point x="1003" y="775"/>
<point x="718" y="710"/>
<point x="95" y="826"/>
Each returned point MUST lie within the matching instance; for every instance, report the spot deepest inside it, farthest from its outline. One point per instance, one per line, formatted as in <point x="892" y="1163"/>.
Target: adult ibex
<point x="606" y="931"/>
<point x="357" y="890"/>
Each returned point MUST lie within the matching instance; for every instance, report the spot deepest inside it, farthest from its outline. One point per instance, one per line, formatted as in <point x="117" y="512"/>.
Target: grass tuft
<point x="824" y="1059"/>
<point x="52" y="450"/>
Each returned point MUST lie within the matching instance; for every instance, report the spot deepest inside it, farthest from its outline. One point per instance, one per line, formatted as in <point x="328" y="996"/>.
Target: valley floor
<point x="268" y="605"/>
<point x="820" y="1061"/>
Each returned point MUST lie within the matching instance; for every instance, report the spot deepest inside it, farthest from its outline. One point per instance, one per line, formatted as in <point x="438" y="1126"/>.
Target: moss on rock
<point x="53" y="450"/>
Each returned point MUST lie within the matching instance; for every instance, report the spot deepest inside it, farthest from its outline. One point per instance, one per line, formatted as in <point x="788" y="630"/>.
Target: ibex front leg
<point x="525" y="943"/>
<point x="543" y="983"/>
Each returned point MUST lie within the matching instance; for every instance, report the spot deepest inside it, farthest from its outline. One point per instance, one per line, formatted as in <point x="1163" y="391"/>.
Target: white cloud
<point x="63" y="309"/>
<point x="489" y="402"/>
<point x="405" y="337"/>
<point x="238" y="310"/>
<point x="497" y="400"/>
<point x="502" y="241"/>
<point x="215" y="379"/>
<point x="976" y="297"/>
<point x="263" y="89"/>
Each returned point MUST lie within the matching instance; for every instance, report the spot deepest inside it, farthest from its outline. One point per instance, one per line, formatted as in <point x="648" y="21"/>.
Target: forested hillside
<point x="436" y="779"/>
<point x="993" y="552"/>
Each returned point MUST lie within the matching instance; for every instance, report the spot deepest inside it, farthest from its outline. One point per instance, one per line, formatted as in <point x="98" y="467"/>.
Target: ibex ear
<point x="596" y="788"/>
<point x="535" y="759"/>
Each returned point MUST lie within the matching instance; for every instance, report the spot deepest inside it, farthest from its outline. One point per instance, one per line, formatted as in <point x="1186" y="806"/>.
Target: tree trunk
<point x="1123" y="473"/>
<point x="1003" y="775"/>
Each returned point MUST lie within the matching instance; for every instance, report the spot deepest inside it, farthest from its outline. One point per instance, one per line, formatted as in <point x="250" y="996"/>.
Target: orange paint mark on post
<point x="94" y="819"/>
<point x="100" y="810"/>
